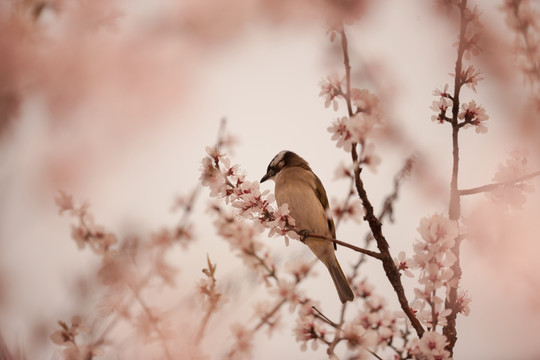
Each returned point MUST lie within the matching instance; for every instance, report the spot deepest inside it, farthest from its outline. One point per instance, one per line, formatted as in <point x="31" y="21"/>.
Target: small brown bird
<point x="301" y="189"/>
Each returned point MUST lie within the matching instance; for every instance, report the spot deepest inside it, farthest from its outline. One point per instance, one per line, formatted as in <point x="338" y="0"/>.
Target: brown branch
<point x="346" y="63"/>
<point x="387" y="208"/>
<point x="324" y="318"/>
<point x="454" y="211"/>
<point x="374" y="254"/>
<point x="490" y="187"/>
<point x="268" y="315"/>
<point x="392" y="273"/>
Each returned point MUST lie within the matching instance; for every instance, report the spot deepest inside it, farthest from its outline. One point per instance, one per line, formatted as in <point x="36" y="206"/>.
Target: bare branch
<point x="374" y="254"/>
<point x="490" y="187"/>
<point x="375" y="225"/>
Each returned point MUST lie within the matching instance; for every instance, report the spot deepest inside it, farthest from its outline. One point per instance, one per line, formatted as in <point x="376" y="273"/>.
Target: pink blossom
<point x="463" y="301"/>
<point x="358" y="337"/>
<point x="438" y="229"/>
<point x="64" y="202"/>
<point x="432" y="346"/>
<point x="363" y="289"/>
<point x="401" y="263"/>
<point x="68" y="333"/>
<point x="370" y="158"/>
<point x="307" y="328"/>
<point x="440" y="106"/>
<point x="365" y="102"/>
<point x="361" y="126"/>
<point x="299" y="268"/>
<point x="352" y="210"/>
<point x="331" y="89"/>
<point x="434" y="257"/>
<point x="515" y="166"/>
<point x="341" y="132"/>
<point x="343" y="171"/>
<point x="471" y="77"/>
<point x="243" y="342"/>
<point x="474" y="115"/>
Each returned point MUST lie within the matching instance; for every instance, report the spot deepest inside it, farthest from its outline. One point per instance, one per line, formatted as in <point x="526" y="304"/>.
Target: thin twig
<point x="373" y="254"/>
<point x="323" y="317"/>
<point x="153" y="321"/>
<point x="490" y="187"/>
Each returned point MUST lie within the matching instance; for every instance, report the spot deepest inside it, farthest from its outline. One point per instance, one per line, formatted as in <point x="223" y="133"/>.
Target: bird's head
<point x="284" y="159"/>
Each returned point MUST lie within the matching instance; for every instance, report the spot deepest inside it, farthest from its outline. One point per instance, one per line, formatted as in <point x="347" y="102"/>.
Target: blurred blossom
<point x="511" y="193"/>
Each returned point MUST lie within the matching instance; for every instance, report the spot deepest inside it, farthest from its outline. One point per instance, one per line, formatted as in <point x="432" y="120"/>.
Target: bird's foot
<point x="303" y="235"/>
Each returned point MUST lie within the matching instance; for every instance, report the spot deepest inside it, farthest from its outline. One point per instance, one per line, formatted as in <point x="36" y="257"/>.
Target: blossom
<point x="243" y="345"/>
<point x="401" y="263"/>
<point x="471" y="77"/>
<point x="341" y="132"/>
<point x="370" y="158"/>
<point x="68" y="333"/>
<point x="510" y="192"/>
<point x="462" y="302"/>
<point x="438" y="229"/>
<point x="287" y="291"/>
<point x="440" y="106"/>
<point x="432" y="346"/>
<point x="351" y="210"/>
<point x="363" y="289"/>
<point x="64" y="202"/>
<point x="474" y="115"/>
<point x="361" y="125"/>
<point x="307" y="328"/>
<point x="299" y="268"/>
<point x="282" y="223"/>
<point x="434" y="256"/>
<point x="343" y="171"/>
<point x="359" y="337"/>
<point x="331" y="89"/>
<point x="365" y="102"/>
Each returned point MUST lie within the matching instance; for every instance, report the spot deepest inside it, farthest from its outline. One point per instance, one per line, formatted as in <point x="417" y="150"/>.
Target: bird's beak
<point x="268" y="175"/>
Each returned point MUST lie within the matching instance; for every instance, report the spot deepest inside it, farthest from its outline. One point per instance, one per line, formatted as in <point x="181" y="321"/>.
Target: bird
<point x="298" y="186"/>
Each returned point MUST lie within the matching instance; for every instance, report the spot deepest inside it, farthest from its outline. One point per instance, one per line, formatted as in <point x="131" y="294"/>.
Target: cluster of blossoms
<point x="211" y="297"/>
<point x="522" y="16"/>
<point x="471" y="113"/>
<point x="363" y="125"/>
<point x="433" y="256"/>
<point x="350" y="210"/>
<point x="67" y="337"/>
<point x="511" y="193"/>
<point x="374" y="327"/>
<point x="308" y="327"/>
<point x="474" y="115"/>
<point x="432" y="346"/>
<point x="129" y="268"/>
<point x="229" y="182"/>
<point x="242" y="238"/>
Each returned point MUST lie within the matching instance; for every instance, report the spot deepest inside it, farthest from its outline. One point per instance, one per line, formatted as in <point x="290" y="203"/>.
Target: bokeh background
<point x="115" y="101"/>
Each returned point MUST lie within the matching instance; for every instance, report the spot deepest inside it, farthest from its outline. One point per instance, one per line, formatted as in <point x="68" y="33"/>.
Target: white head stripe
<point x="278" y="158"/>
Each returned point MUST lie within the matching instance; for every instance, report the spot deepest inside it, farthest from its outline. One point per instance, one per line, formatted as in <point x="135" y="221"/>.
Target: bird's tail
<point x="340" y="281"/>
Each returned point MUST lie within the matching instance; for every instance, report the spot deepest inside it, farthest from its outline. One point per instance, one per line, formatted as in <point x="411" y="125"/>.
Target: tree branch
<point x="454" y="208"/>
<point x="373" y="254"/>
<point x="392" y="273"/>
<point x="490" y="187"/>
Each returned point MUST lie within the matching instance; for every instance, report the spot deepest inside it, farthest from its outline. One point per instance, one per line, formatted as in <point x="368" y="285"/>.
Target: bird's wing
<point x="321" y="194"/>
